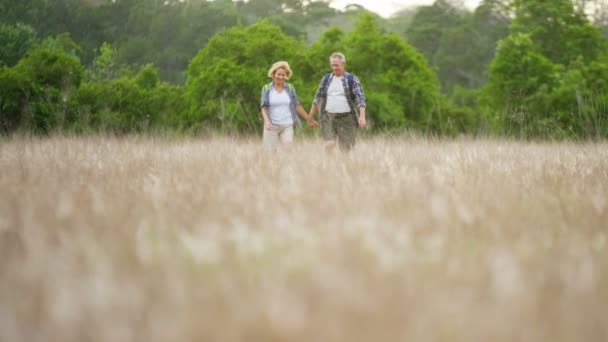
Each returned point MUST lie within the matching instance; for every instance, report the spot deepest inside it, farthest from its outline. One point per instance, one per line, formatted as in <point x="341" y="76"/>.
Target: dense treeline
<point x="524" y="68"/>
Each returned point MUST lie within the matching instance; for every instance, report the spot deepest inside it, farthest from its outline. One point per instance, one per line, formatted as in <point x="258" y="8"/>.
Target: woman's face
<point x="279" y="76"/>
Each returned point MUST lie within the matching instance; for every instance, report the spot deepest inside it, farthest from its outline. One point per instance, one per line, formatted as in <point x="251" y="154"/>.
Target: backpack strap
<point x="289" y="86"/>
<point x="325" y="82"/>
<point x="351" y="82"/>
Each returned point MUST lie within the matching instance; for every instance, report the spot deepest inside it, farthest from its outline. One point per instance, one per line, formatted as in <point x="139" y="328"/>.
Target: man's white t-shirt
<point x="336" y="99"/>
<point x="279" y="111"/>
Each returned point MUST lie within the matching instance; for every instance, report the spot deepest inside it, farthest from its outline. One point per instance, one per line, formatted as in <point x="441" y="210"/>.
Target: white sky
<point x="387" y="7"/>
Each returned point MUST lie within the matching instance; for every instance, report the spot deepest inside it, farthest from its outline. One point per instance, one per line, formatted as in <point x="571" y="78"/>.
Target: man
<point x="341" y="105"/>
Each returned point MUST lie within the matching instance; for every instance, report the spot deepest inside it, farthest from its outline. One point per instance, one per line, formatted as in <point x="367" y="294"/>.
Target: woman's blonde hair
<point x="280" y="65"/>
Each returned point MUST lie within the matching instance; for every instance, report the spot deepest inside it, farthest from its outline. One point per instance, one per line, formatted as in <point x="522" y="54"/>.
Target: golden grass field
<point x="403" y="239"/>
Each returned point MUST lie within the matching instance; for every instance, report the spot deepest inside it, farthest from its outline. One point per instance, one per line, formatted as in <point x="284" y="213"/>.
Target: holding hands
<point x="311" y="122"/>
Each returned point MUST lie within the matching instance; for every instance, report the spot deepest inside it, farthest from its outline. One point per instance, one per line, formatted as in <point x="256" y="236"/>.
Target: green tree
<point x="329" y="41"/>
<point x="295" y="17"/>
<point x="401" y="88"/>
<point x="14" y="89"/>
<point x="15" y="41"/>
<point x="517" y="73"/>
<point x="549" y="82"/>
<point x="105" y="65"/>
<point x="44" y="82"/>
<point x="562" y="32"/>
<point x="51" y="18"/>
<point x="139" y="103"/>
<point x="465" y="50"/>
<point x="429" y="24"/>
<point x="166" y="34"/>
<point x="224" y="79"/>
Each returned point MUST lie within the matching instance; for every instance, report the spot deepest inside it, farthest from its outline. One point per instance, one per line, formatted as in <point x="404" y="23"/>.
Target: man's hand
<point x="362" y="122"/>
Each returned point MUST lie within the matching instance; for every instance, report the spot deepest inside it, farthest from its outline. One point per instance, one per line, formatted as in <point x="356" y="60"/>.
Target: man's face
<point x="337" y="66"/>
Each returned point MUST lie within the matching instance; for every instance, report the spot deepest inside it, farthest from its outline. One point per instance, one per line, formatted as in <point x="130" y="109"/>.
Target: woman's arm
<point x="302" y="112"/>
<point x="309" y="120"/>
<point x="267" y="122"/>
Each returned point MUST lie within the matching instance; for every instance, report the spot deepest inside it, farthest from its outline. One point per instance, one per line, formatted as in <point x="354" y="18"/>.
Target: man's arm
<point x="315" y="106"/>
<point x="358" y="92"/>
<point x="362" y="121"/>
<point x="313" y="110"/>
<point x="360" y="98"/>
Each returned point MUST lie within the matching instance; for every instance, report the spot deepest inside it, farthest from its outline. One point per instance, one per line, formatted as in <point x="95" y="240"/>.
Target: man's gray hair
<point x="337" y="55"/>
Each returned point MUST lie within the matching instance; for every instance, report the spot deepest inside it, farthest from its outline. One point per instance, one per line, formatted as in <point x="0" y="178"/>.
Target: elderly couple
<point x="339" y="100"/>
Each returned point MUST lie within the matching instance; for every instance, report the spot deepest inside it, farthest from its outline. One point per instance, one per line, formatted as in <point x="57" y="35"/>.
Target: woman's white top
<point x="279" y="111"/>
<point x="336" y="99"/>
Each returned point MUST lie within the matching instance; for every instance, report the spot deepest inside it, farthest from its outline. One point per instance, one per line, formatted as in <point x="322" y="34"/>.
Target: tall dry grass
<point x="404" y="239"/>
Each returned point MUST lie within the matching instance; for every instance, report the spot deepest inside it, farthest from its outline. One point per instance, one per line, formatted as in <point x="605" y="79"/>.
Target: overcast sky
<point x="387" y="7"/>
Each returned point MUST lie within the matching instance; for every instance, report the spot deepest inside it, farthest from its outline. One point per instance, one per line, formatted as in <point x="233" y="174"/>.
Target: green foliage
<point x="448" y="61"/>
<point x="329" y="41"/>
<point x="578" y="108"/>
<point x="465" y="50"/>
<point x="466" y="100"/>
<point x="166" y="34"/>
<point x="15" y="41"/>
<point x="458" y="44"/>
<point x="296" y="18"/>
<point x="407" y="88"/>
<point x="517" y="73"/>
<point x="224" y="78"/>
<point x="45" y="93"/>
<point x="13" y="91"/>
<point x="561" y="31"/>
<point x="453" y="120"/>
<point x="105" y="65"/>
<point x="52" y="68"/>
<point x="402" y="90"/>
<point x="127" y="104"/>
<point x="548" y="77"/>
<point x="36" y="91"/>
<point x="428" y="26"/>
<point x="147" y="78"/>
<point x="401" y="20"/>
<point x="549" y="82"/>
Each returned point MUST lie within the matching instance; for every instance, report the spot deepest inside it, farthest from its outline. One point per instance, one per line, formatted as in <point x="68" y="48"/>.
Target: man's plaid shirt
<point x="354" y="96"/>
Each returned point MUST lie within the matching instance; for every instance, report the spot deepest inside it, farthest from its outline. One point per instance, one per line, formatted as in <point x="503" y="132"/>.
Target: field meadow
<point x="402" y="239"/>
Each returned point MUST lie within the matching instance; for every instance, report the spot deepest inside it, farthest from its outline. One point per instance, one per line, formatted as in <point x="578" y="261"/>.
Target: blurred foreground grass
<point x="143" y="239"/>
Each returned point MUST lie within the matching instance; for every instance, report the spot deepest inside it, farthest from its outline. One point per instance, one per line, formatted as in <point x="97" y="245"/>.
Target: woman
<point x="279" y="105"/>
